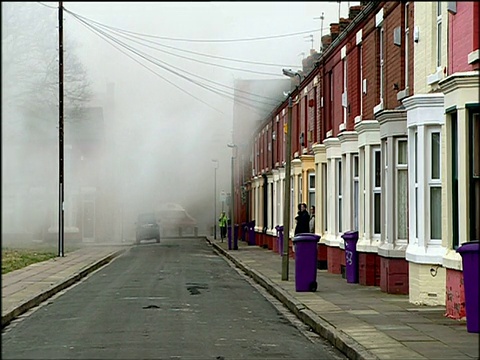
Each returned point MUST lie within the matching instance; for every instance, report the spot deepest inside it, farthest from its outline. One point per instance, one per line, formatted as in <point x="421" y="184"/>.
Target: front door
<point x="475" y="175"/>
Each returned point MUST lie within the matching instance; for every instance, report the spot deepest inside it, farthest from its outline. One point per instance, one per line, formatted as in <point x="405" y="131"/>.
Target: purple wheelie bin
<point x="279" y="229"/>
<point x="470" y="261"/>
<point x="229" y="236"/>
<point x="351" y="256"/>
<point x="235" y="237"/>
<point x="251" y="233"/>
<point x="305" y="246"/>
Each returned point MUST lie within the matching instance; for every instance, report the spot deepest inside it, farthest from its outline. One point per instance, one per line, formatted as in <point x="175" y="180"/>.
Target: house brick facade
<point x="390" y="97"/>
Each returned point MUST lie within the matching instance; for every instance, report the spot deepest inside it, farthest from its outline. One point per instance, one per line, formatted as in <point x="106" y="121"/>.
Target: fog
<point x="148" y="102"/>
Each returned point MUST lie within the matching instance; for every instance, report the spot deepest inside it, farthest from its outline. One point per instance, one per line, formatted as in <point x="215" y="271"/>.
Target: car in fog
<point x="147" y="227"/>
<point x="175" y="219"/>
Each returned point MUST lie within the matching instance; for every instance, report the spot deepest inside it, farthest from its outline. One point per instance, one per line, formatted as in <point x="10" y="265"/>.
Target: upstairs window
<point x="381" y="62"/>
<point x="407" y="35"/>
<point x="439" y="33"/>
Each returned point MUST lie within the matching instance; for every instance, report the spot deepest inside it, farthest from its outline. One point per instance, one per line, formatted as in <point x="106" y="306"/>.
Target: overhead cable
<point x="134" y="35"/>
<point x="211" y="40"/>
<point x="103" y="35"/>
<point x="217" y="83"/>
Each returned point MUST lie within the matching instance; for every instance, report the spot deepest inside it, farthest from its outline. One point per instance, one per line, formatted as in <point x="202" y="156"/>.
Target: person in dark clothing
<point x="302" y="219"/>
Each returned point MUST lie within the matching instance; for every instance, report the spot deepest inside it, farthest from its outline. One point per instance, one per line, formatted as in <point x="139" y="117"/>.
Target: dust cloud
<point x="148" y="105"/>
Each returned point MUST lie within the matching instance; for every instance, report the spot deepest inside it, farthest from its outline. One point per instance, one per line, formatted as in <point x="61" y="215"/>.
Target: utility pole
<point x="232" y="218"/>
<point x="288" y="171"/>
<point x="321" y="17"/>
<point x="286" y="209"/>
<point x="215" y="161"/>
<point x="60" y="132"/>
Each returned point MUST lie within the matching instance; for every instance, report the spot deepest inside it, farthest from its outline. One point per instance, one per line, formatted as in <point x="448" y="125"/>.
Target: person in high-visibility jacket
<point x="222" y="223"/>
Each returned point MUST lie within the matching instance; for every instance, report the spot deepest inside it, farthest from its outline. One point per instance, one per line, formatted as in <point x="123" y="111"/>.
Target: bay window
<point x="325" y="195"/>
<point x="435" y="187"/>
<point x="356" y="192"/>
<point x="402" y="189"/>
<point x="377" y="191"/>
<point x="339" y="196"/>
<point x="311" y="189"/>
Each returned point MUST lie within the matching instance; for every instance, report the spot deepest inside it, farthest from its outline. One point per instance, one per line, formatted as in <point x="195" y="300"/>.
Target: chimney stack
<point x="309" y="63"/>
<point x="343" y="24"/>
<point x="334" y="30"/>
<point x="354" y="11"/>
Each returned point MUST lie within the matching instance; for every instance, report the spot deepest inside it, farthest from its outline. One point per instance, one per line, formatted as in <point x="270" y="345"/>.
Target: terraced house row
<point x="385" y="141"/>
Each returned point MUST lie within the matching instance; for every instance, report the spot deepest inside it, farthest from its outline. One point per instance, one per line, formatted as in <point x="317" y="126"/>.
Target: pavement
<point x="361" y="321"/>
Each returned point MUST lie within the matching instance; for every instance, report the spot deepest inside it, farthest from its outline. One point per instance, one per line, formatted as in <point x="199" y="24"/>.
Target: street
<point x="177" y="299"/>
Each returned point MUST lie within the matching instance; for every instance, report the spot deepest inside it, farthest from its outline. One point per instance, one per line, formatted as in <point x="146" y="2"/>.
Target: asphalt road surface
<point x="173" y="300"/>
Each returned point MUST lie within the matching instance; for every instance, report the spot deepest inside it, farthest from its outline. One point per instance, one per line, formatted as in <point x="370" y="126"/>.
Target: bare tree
<point x="30" y="69"/>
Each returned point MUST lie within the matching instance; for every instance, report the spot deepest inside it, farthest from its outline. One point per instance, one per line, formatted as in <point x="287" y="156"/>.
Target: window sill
<point x="452" y="260"/>
<point x="378" y="108"/>
<point x="435" y="77"/>
<point x="403" y="94"/>
<point x="419" y="254"/>
<point x="474" y="56"/>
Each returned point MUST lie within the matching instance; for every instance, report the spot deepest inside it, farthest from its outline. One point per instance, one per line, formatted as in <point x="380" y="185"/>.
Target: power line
<point x="48" y="6"/>
<point x="219" y="84"/>
<point x="209" y="40"/>
<point x="180" y="75"/>
<point x="178" y="87"/>
<point x="212" y="64"/>
<point x="182" y="50"/>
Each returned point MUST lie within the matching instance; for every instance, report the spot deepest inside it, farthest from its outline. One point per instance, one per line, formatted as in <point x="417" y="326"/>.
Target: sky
<point x="161" y="120"/>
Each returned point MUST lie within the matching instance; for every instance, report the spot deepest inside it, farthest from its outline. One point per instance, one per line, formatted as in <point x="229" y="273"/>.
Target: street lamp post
<point x="215" y="161"/>
<point x="232" y="217"/>
<point x="288" y="167"/>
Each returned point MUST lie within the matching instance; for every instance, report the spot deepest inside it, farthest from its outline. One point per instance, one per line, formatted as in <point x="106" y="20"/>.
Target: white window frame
<point x="433" y="183"/>
<point x="361" y="90"/>
<point x="381" y="52"/>
<point x="325" y="195"/>
<point x="345" y="85"/>
<point x="339" y="186"/>
<point x="415" y="167"/>
<point x="356" y="190"/>
<point x="399" y="168"/>
<point x="376" y="190"/>
<point x="364" y="190"/>
<point x="407" y="44"/>
<point x="311" y="190"/>
<point x="331" y="87"/>
<point x="438" y="30"/>
<point x="292" y="202"/>
<point x="300" y="188"/>
<point x="384" y="184"/>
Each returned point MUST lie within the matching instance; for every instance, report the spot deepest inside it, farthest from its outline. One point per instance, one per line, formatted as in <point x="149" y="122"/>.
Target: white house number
<point x="348" y="257"/>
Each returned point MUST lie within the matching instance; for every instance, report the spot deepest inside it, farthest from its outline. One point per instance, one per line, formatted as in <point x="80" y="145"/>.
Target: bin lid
<point x="353" y="234"/>
<point x="469" y="246"/>
<point x="306" y="237"/>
